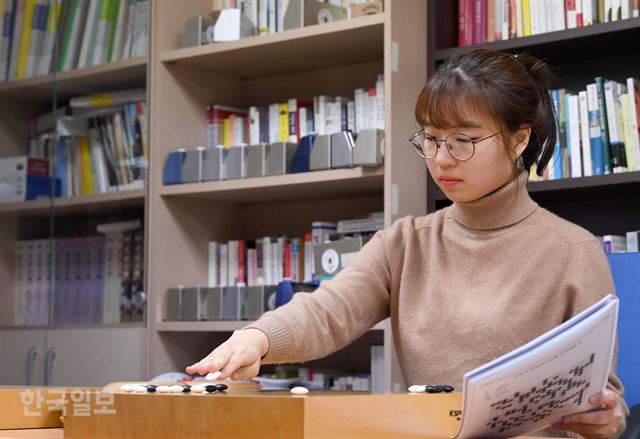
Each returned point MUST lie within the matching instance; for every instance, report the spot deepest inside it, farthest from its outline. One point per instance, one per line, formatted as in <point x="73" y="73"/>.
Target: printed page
<point x="535" y="385"/>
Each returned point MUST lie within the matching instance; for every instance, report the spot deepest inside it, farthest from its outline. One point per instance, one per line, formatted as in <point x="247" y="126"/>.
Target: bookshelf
<point x="331" y="59"/>
<point x="47" y="219"/>
<point x="603" y="204"/>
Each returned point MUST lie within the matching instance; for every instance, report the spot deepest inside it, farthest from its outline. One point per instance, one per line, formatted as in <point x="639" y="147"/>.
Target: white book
<point x="359" y="100"/>
<point x="625" y="9"/>
<point x="35" y="41"/>
<point x="44" y="63"/>
<point x="89" y="34"/>
<point x="271" y="18"/>
<point x="250" y="10"/>
<point x="70" y="61"/>
<point x="612" y="90"/>
<point x="585" y="139"/>
<point x="128" y="33"/>
<point x="614" y="243"/>
<point x="274" y="123"/>
<point x="572" y="16"/>
<point x="308" y="262"/>
<point x="320" y="113"/>
<point x="98" y="163"/>
<point x="588" y="9"/>
<point x="119" y="32"/>
<point x="263" y="17"/>
<point x="266" y="260"/>
<point x="213" y="264"/>
<point x="351" y="116"/>
<point x="519" y="23"/>
<point x="302" y="121"/>
<point x="377" y="368"/>
<point x="633" y="238"/>
<point x="511" y="395"/>
<point x="573" y="122"/>
<point x="293" y="120"/>
<point x="254" y="126"/>
<point x="616" y="5"/>
<point x="232" y="263"/>
<point x="281" y="6"/>
<point x="633" y="88"/>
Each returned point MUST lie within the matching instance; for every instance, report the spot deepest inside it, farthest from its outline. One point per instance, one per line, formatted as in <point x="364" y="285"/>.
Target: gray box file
<point x="171" y="304"/>
<point x="212" y="303"/>
<point x="256" y="160"/>
<point x="234" y="163"/>
<point x="331" y="257"/>
<point x="369" y="148"/>
<point x="211" y="164"/>
<point x="257" y="301"/>
<point x="342" y="144"/>
<point x="192" y="166"/>
<point x="279" y="157"/>
<point x="301" y="13"/>
<point x="320" y="157"/>
<point x="191" y="306"/>
<point x="232" y="303"/>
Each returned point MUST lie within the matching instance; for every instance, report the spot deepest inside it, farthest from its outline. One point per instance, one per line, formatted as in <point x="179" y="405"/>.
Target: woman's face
<point x="490" y="167"/>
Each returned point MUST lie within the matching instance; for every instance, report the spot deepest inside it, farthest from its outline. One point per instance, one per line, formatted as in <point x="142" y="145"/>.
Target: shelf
<point x="74" y="205"/>
<point x="597" y="186"/>
<point x="130" y="73"/>
<point x="219" y="326"/>
<point x="342" y="42"/>
<point x="76" y="326"/>
<point x="334" y="183"/>
<point x="563" y="46"/>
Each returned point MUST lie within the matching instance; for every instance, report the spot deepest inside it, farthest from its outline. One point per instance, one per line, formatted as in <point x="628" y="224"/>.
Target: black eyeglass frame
<point x="418" y="148"/>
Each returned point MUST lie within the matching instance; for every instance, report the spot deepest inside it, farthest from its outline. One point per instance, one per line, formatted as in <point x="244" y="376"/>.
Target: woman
<point x="467" y="283"/>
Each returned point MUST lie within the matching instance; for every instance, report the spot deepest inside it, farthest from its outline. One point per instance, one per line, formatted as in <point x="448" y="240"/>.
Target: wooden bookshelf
<point x="290" y="187"/>
<point x="310" y="48"/>
<point x="129" y="73"/>
<point x="87" y="204"/>
<point x="221" y="326"/>
<point x="329" y="59"/>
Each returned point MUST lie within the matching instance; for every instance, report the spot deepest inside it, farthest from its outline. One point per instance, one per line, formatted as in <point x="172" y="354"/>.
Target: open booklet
<point x="535" y="385"/>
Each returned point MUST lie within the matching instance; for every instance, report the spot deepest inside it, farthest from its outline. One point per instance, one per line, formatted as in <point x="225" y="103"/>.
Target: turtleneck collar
<point x="502" y="208"/>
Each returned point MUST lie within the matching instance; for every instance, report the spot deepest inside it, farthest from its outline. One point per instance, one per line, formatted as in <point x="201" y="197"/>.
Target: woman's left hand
<point x="601" y="423"/>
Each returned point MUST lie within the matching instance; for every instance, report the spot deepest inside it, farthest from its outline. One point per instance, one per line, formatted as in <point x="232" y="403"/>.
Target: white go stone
<point x="299" y="390"/>
<point x="127" y="388"/>
<point x="163" y="389"/>
<point x="176" y="389"/>
<point x="416" y="388"/>
<point x="197" y="388"/>
<point x="213" y="376"/>
<point x="139" y="388"/>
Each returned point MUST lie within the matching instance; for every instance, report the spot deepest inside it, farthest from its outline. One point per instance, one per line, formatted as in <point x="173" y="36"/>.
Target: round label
<point x="324" y="16"/>
<point x="330" y="261"/>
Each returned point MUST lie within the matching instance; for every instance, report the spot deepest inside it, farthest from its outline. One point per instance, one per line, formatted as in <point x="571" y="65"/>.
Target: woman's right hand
<point x="238" y="357"/>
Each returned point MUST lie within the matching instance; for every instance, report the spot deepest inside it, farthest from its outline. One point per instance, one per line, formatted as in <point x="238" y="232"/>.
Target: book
<point x="536" y="384"/>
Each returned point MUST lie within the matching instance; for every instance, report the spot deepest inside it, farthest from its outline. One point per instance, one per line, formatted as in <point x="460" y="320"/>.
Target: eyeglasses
<point x="460" y="146"/>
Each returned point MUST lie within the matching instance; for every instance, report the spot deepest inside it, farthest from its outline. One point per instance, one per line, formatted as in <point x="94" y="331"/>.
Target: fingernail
<point x="593" y="400"/>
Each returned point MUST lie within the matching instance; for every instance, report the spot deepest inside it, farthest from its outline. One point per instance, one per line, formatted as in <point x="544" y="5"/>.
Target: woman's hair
<point x="513" y="90"/>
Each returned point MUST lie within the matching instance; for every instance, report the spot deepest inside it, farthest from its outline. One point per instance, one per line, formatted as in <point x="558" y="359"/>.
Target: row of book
<point x="100" y="154"/>
<point x="599" y="130"/>
<point x="481" y="21"/>
<point x="38" y="37"/>
<point x="292" y="120"/>
<point x="317" y="379"/>
<point x="272" y="259"/>
<point x="94" y="279"/>
<point x="267" y="16"/>
<point x="621" y="243"/>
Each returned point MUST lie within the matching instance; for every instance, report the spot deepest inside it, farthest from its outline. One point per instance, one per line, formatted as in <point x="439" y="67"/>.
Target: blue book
<point x="556" y="160"/>
<point x="594" y="130"/>
<point x="604" y="127"/>
<point x="61" y="167"/>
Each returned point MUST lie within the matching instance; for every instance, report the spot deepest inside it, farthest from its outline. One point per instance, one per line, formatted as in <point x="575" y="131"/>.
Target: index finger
<point x="213" y="362"/>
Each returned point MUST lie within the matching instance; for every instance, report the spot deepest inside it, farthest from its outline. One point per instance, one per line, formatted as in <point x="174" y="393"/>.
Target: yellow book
<point x="86" y="179"/>
<point x="283" y="122"/>
<point x="25" y="38"/>
<point x="526" y="18"/>
<point x="227" y="133"/>
<point x="532" y="173"/>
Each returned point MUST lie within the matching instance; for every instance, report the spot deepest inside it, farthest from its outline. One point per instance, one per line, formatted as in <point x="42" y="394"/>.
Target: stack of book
<point x="93" y="276"/>
<point x="104" y="150"/>
<point x="482" y="21"/>
<point x="290" y="121"/>
<point x="38" y="37"/>
<point x="599" y="130"/>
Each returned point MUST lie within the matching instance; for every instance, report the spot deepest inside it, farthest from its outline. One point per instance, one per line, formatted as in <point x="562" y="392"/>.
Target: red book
<point x="242" y="270"/>
<point x="287" y="261"/>
<point x="479" y="21"/>
<point x="465" y="22"/>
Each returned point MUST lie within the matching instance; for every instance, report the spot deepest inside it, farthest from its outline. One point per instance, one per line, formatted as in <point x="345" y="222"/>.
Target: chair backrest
<point x="625" y="268"/>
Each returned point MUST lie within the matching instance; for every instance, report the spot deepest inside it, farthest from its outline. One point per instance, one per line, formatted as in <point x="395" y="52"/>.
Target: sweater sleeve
<point x="587" y="280"/>
<point x="316" y="324"/>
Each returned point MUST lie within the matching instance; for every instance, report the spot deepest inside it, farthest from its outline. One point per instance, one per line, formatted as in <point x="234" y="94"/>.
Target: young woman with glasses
<point x="469" y="282"/>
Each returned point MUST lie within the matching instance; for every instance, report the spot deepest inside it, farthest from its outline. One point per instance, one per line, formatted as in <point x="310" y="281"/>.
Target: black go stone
<point x="447" y="388"/>
<point x="432" y="389"/>
<point x="210" y="388"/>
<point x="151" y="388"/>
<point x="221" y="387"/>
<point x="186" y="389"/>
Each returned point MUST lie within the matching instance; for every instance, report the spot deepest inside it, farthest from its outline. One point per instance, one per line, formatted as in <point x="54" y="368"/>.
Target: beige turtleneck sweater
<point x="462" y="286"/>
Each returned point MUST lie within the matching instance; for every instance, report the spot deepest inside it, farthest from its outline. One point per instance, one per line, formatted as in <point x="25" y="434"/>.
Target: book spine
<point x="585" y="137"/>
<point x="604" y="129"/>
<point x="594" y="130"/>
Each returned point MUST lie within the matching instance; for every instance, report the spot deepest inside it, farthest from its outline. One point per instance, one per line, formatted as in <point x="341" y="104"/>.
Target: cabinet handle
<point x="31" y="359"/>
<point x="48" y="366"/>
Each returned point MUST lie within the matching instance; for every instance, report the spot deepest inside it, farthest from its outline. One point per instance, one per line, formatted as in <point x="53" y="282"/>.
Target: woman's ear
<point x="521" y="139"/>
